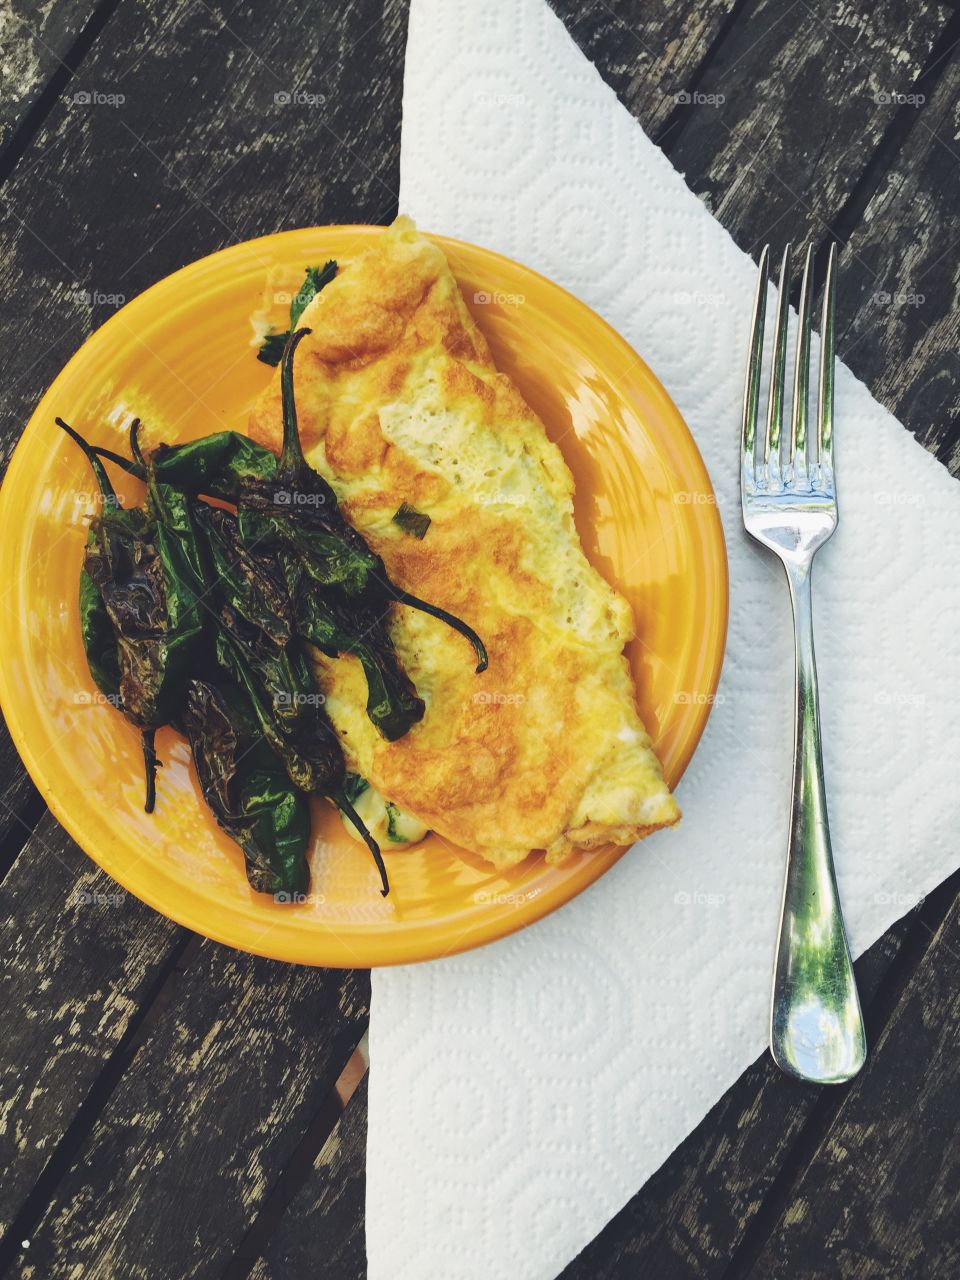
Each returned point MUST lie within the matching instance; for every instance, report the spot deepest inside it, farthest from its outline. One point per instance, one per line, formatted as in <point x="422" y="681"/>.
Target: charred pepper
<point x="273" y="671"/>
<point x="336" y="626"/>
<point x="154" y="620"/>
<point x="247" y="788"/>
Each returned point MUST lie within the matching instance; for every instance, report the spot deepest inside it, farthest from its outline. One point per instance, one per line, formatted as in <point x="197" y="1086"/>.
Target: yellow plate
<point x="179" y="357"/>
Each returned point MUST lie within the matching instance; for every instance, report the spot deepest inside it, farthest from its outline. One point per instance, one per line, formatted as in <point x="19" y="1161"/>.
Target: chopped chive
<point x="412" y="521"/>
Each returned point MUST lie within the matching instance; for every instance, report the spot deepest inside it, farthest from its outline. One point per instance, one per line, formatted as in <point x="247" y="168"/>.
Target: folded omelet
<point x="399" y="401"/>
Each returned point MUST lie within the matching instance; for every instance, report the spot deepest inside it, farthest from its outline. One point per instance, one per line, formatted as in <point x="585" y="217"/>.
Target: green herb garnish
<point x="354" y="785"/>
<point x="271" y="349"/>
<point x="411" y="520"/>
<point x="317" y="278"/>
<point x="393" y="813"/>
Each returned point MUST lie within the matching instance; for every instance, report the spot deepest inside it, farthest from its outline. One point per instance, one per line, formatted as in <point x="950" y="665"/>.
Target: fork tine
<point x="778" y="367"/>
<point x="801" y="381"/>
<point x="751" y="390"/>
<point x="827" y="345"/>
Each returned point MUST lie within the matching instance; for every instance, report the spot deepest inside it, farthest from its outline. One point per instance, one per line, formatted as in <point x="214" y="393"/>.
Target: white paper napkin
<point x="520" y="1094"/>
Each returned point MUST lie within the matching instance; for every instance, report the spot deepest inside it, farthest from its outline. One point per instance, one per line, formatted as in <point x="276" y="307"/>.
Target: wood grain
<point x="203" y="150"/>
<point x="80" y="956"/>
<point x="802" y="111"/>
<point x="20" y="804"/>
<point x="203" y="1121"/>
<point x="649" y="53"/>
<point x="37" y="40"/>
<point x="898" y="308"/>
<point x="323" y="1227"/>
<point x="879" y="1196"/>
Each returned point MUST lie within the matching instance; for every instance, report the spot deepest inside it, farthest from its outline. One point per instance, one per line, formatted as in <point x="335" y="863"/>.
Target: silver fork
<point x="789" y="501"/>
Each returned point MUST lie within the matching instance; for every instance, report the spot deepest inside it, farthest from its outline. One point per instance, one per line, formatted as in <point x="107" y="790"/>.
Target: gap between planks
<point x="157" y="1000"/>
<point x="297" y="1170"/>
<point x="24" y="821"/>
<point x="33" y="119"/>
<point x="680" y="115"/>
<point x="894" y="140"/>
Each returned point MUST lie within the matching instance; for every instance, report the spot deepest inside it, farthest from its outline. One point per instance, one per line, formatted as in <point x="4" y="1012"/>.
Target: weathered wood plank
<point x="879" y="1198"/>
<point x="80" y="956"/>
<point x="322" y="1230"/>
<point x="805" y="95"/>
<point x="899" y="286"/>
<point x="691" y="1216"/>
<point x="647" y="52"/>
<point x="203" y="1121"/>
<point x="35" y="39"/>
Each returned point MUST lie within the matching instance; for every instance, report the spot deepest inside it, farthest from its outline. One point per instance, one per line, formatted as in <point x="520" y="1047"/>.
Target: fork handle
<point x="816" y="1027"/>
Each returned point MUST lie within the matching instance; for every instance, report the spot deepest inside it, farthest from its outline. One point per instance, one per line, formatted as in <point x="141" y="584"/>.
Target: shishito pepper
<point x="279" y="684"/>
<point x="289" y="712"/>
<point x="143" y="567"/>
<point x="273" y="691"/>
<point x="335" y="626"/>
<point x="182" y="556"/>
<point x="153" y="619"/>
<point x="252" y="580"/>
<point x="99" y="642"/>
<point x="274" y="674"/>
<point x="270" y="589"/>
<point x="247" y="788"/>
<point x="217" y="465"/>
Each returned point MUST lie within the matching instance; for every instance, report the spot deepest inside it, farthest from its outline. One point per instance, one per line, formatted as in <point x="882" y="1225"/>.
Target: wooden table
<point x="173" y="1108"/>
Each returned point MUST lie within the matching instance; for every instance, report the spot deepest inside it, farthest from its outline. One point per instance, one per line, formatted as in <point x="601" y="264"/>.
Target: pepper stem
<point x="99" y="470"/>
<point x="404" y="597"/>
<point x="151" y="764"/>
<point x="135" y="444"/>
<point x="343" y="804"/>
<point x="131" y="468"/>
<point x="291" y="456"/>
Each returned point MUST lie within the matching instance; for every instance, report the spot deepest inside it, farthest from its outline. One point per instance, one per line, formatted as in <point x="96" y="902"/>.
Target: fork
<point x="789" y="500"/>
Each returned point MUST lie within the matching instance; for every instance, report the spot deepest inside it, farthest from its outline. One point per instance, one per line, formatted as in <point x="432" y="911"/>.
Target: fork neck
<point x="808" y="777"/>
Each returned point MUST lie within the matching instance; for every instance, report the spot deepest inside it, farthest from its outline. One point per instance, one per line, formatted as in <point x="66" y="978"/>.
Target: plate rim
<point x="404" y="946"/>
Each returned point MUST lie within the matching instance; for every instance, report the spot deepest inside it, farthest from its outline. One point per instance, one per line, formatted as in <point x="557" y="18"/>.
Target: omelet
<point x="399" y="401"/>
